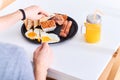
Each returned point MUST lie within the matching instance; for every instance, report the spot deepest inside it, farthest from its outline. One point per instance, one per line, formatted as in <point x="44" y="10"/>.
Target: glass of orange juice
<point x="93" y="28"/>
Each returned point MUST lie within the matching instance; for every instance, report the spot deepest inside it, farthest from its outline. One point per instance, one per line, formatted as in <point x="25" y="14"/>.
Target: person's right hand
<point x="35" y="12"/>
<point x="43" y="56"/>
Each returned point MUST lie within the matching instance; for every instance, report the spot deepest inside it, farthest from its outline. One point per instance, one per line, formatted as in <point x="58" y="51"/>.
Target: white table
<point x="74" y="59"/>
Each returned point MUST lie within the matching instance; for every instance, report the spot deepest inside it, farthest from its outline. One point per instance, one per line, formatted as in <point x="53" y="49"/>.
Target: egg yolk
<point x="45" y="39"/>
<point x="32" y="34"/>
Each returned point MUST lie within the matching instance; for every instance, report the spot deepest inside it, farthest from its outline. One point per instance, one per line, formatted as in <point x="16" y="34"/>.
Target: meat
<point x="60" y="19"/>
<point x="50" y="24"/>
<point x="62" y="31"/>
<point x="65" y="28"/>
<point x="68" y="27"/>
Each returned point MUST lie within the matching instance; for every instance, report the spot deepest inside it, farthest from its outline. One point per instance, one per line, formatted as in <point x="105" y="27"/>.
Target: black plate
<point x="73" y="31"/>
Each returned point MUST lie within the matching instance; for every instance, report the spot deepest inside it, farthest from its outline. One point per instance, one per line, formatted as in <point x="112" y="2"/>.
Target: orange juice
<point x="93" y="28"/>
<point x="93" y="32"/>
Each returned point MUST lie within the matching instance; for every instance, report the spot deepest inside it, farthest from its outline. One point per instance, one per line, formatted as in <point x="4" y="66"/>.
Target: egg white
<point x="29" y="31"/>
<point x="53" y="37"/>
<point x="36" y="31"/>
<point x="40" y="34"/>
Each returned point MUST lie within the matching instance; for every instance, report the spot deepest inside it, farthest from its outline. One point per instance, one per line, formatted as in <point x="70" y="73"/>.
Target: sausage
<point x="64" y="25"/>
<point x="62" y="34"/>
<point x="62" y="31"/>
<point x="68" y="27"/>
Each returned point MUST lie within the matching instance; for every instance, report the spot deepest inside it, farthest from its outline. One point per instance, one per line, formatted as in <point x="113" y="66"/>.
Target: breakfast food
<point x="68" y="27"/>
<point x="28" y="24"/>
<point x="31" y="34"/>
<point x="48" y="25"/>
<point x="43" y="29"/>
<point x="38" y="32"/>
<point x="41" y="36"/>
<point x="45" y="18"/>
<point x="49" y="37"/>
<point x="65" y="28"/>
<point x="59" y="18"/>
<point x="25" y="22"/>
<point x="35" y="23"/>
<point x="64" y="16"/>
<point x="62" y="31"/>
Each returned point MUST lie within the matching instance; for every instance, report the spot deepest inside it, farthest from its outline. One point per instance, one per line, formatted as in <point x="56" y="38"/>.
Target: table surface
<point x="75" y="57"/>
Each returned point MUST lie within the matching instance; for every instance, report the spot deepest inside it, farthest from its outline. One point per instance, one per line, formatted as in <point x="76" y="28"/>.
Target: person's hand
<point x="35" y="12"/>
<point x="43" y="56"/>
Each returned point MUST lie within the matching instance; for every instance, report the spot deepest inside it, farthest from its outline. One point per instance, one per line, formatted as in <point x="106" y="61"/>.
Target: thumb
<point x="44" y="46"/>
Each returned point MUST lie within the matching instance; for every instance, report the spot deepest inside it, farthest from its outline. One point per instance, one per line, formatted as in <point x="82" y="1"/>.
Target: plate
<point x="72" y="32"/>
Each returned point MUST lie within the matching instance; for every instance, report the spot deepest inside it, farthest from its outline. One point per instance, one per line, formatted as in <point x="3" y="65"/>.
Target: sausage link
<point x="62" y="34"/>
<point x="64" y="25"/>
<point x="68" y="27"/>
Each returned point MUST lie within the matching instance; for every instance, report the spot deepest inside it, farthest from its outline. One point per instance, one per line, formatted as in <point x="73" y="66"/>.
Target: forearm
<point x="40" y="73"/>
<point x="10" y="19"/>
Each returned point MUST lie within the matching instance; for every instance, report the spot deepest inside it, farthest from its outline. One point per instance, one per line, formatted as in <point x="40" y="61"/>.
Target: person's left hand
<point x="35" y="12"/>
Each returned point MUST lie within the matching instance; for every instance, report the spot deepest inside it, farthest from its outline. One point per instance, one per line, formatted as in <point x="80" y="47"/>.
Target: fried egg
<point x="42" y="36"/>
<point x="33" y="34"/>
<point x="49" y="37"/>
<point x="38" y="32"/>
